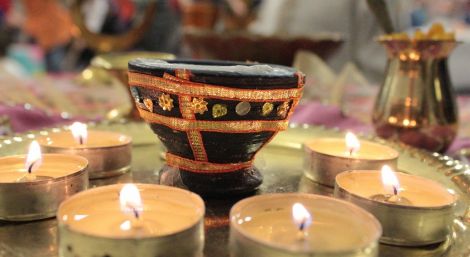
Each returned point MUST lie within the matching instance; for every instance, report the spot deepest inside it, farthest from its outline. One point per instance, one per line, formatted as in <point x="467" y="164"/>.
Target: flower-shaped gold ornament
<point x="148" y="104"/>
<point x="198" y="105"/>
<point x="165" y="101"/>
<point x="283" y="109"/>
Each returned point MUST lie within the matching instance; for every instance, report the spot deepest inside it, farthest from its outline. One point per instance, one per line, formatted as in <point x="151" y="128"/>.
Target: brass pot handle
<point x="108" y="43"/>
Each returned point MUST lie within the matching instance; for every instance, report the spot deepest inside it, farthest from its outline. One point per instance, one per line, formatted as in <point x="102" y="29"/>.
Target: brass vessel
<point x="116" y="65"/>
<point x="416" y="103"/>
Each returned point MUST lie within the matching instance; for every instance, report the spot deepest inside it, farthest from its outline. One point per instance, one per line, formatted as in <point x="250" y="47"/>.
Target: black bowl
<point x="213" y="117"/>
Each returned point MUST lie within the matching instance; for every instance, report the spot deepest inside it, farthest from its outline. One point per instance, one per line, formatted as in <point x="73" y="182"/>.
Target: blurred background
<point x="47" y="48"/>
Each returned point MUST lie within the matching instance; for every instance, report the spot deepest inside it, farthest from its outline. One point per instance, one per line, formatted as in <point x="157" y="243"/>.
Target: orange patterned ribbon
<point x="204" y="167"/>
<point x="181" y="87"/>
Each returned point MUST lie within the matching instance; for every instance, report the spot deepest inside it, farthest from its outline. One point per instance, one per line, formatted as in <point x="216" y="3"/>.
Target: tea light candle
<point x="281" y="225"/>
<point x="327" y="157"/>
<point x="132" y="220"/>
<point x="108" y="153"/>
<point x="33" y="186"/>
<point x="412" y="210"/>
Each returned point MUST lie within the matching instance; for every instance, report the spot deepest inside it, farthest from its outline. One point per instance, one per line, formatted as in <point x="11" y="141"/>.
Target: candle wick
<point x="30" y="168"/>
<point x="136" y="213"/>
<point x="395" y="190"/>
<point x="302" y="234"/>
<point x="80" y="140"/>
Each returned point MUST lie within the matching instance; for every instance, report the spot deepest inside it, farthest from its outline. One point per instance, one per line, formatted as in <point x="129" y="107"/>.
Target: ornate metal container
<point x="416" y="103"/>
<point x="213" y="117"/>
<point x="116" y="65"/>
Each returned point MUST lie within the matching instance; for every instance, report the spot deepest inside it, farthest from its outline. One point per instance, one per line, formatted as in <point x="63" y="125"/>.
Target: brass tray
<point x="281" y="165"/>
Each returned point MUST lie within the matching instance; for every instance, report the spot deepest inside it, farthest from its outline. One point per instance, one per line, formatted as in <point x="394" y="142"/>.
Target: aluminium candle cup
<point x="34" y="200"/>
<point x="427" y="221"/>
<point x="108" y="153"/>
<point x="90" y="224"/>
<point x="327" y="157"/>
<point x="262" y="226"/>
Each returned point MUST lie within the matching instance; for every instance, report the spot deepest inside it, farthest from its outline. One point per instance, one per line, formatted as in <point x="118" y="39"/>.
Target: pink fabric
<point x="314" y="113"/>
<point x="330" y="116"/>
<point x="22" y="120"/>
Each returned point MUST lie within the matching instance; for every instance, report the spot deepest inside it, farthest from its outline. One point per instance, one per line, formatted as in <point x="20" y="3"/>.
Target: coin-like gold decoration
<point x="198" y="105"/>
<point x="267" y="109"/>
<point x="243" y="108"/>
<point x="165" y="101"/>
<point x="283" y="109"/>
<point x="219" y="110"/>
<point x="148" y="104"/>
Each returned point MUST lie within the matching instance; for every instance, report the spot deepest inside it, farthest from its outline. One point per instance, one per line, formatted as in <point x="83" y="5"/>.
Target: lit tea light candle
<point x="301" y="225"/>
<point x="33" y="186"/>
<point x="132" y="220"/>
<point x="79" y="132"/>
<point x="412" y="210"/>
<point x="392" y="188"/>
<point x="352" y="143"/>
<point x="327" y="157"/>
<point x="302" y="219"/>
<point x="33" y="160"/>
<point x="108" y="153"/>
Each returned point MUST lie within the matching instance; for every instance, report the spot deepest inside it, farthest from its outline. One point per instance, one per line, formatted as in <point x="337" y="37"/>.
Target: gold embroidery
<point x="204" y="167"/>
<point x="283" y="109"/>
<point x="194" y="136"/>
<point x="212" y="91"/>
<point x="149" y="104"/>
<point x="267" y="109"/>
<point x="165" y="101"/>
<point x="198" y="105"/>
<point x="219" y="110"/>
<point x="197" y="145"/>
<point x="183" y="74"/>
<point x="244" y="126"/>
<point x="185" y="107"/>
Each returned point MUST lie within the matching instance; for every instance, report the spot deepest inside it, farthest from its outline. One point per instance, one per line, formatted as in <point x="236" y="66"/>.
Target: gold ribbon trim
<point x="239" y="126"/>
<point x="194" y="136"/>
<point x="204" y="167"/>
<point x="202" y="90"/>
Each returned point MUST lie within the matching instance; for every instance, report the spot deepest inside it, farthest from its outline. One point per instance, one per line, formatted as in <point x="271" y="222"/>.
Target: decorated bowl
<point x="213" y="117"/>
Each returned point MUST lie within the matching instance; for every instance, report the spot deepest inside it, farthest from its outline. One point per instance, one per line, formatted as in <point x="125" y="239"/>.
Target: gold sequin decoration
<point x="198" y="105"/>
<point x="239" y="126"/>
<point x="148" y="104"/>
<point x="243" y="108"/>
<point x="267" y="109"/>
<point x="283" y="109"/>
<point x="165" y="101"/>
<point x="219" y="110"/>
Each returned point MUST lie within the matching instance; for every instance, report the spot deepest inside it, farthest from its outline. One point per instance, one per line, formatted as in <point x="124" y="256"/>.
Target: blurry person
<point x="350" y="18"/>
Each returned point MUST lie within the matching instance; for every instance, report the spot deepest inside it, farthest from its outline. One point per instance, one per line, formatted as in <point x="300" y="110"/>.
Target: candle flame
<point x="130" y="200"/>
<point x="352" y="143"/>
<point x="390" y="181"/>
<point x="79" y="132"/>
<point x="34" y="157"/>
<point x="126" y="225"/>
<point x="301" y="216"/>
